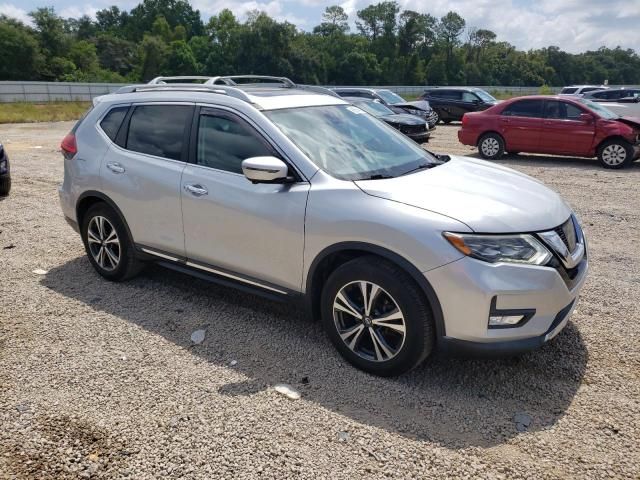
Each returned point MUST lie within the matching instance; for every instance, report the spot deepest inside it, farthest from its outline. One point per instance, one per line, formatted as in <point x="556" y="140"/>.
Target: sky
<point x="572" y="25"/>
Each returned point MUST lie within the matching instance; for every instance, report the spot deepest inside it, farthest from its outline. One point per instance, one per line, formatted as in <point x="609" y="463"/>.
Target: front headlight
<point x="500" y="248"/>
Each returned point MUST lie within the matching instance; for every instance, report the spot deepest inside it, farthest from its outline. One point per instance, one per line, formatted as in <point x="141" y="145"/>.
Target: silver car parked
<point x="293" y="193"/>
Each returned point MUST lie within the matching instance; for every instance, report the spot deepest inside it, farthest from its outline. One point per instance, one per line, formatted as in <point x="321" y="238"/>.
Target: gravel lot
<point x="101" y="380"/>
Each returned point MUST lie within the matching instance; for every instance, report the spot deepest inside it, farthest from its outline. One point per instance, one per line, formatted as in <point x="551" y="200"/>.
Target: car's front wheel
<point x="107" y="244"/>
<point x="5" y="186"/>
<point x="377" y="317"/>
<point x="491" y="146"/>
<point x="616" y="153"/>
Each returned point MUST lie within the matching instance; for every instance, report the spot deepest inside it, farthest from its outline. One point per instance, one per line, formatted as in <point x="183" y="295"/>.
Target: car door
<point x="564" y="131"/>
<point x="252" y="232"/>
<point x="470" y="102"/>
<point x="141" y="173"/>
<point x="521" y="125"/>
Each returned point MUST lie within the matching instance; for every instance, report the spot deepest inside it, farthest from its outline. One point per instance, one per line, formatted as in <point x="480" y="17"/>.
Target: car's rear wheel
<point x="107" y="244"/>
<point x="491" y="146"/>
<point x="5" y="186"/>
<point x="616" y="153"/>
<point x="447" y="121"/>
<point x="436" y="117"/>
<point x="377" y="317"/>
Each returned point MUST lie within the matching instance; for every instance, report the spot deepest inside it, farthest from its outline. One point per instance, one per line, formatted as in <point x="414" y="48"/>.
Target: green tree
<point x="180" y="60"/>
<point x="20" y="57"/>
<point x="83" y="55"/>
<point x="153" y="57"/>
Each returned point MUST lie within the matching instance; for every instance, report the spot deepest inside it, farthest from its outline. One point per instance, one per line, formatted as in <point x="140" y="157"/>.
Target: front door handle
<point x="115" y="167"/>
<point x="196" y="190"/>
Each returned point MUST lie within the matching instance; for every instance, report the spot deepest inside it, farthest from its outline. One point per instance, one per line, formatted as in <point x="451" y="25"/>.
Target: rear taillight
<point x="68" y="146"/>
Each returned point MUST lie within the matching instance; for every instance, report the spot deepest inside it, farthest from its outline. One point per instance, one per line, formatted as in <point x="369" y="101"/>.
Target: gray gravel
<point x="102" y="380"/>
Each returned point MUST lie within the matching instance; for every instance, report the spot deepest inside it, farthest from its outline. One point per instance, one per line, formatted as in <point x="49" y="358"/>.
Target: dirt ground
<point x="101" y="380"/>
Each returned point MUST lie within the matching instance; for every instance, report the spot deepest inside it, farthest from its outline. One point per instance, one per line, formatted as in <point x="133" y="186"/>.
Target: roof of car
<point x="278" y="94"/>
<point x="358" y="89"/>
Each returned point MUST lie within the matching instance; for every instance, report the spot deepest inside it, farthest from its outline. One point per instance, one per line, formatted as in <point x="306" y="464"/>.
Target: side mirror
<point x="586" y="118"/>
<point x="265" y="170"/>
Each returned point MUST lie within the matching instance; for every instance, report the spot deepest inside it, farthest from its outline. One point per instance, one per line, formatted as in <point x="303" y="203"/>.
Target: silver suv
<point x="294" y="193"/>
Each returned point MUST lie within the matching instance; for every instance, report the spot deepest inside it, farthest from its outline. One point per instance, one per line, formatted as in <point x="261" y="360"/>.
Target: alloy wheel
<point x="614" y="154"/>
<point x="369" y="321"/>
<point x="490" y="147"/>
<point x="104" y="243"/>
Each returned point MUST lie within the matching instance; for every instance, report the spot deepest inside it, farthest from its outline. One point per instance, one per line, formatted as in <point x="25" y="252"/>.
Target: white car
<point x="580" y="90"/>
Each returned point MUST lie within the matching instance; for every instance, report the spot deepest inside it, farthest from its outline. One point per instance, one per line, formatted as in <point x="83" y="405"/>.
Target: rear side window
<point x="159" y="130"/>
<point x="524" y="108"/>
<point x="110" y="124"/>
<point x="569" y="90"/>
<point x="224" y="141"/>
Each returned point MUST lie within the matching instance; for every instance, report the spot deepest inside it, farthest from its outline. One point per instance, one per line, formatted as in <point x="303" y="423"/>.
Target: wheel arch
<point x="337" y="254"/>
<point x="91" y="197"/>
<point x="609" y="139"/>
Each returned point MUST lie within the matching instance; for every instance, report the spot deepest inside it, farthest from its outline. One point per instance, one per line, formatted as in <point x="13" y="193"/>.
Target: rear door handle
<point x="115" y="167"/>
<point x="196" y="190"/>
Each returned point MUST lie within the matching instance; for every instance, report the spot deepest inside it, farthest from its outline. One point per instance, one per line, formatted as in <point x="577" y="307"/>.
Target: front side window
<point x="524" y="108"/>
<point x="486" y="97"/>
<point x="389" y="97"/>
<point x="562" y="111"/>
<point x="349" y="144"/>
<point x="469" y="97"/>
<point x="224" y="141"/>
<point x="159" y="130"/>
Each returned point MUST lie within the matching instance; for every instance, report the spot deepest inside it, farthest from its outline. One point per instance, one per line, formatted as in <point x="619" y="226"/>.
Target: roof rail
<point x="184" y="79"/>
<point x="187" y="87"/>
<point x="231" y="80"/>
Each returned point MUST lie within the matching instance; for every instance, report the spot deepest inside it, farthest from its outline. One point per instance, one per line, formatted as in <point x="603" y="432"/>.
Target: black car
<point x="5" y="176"/>
<point x="618" y="95"/>
<point x="393" y="101"/>
<point x="452" y="103"/>
<point x="412" y="126"/>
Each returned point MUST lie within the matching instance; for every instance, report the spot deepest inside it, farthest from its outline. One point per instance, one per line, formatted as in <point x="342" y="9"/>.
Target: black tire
<point x="491" y="146"/>
<point x="615" y="153"/>
<point x="5" y="186"/>
<point x="398" y="287"/>
<point x="447" y="121"/>
<point x="128" y="264"/>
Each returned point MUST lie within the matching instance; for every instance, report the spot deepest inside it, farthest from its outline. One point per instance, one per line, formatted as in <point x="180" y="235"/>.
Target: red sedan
<point x="553" y="125"/>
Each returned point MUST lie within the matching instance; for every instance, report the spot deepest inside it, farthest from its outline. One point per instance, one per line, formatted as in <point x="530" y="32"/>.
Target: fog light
<point x="508" y="318"/>
<point x="504" y="320"/>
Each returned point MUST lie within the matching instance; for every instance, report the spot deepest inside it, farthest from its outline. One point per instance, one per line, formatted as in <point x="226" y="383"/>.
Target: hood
<point x="631" y="121"/>
<point x="403" y="119"/>
<point x="418" y="104"/>
<point x="486" y="197"/>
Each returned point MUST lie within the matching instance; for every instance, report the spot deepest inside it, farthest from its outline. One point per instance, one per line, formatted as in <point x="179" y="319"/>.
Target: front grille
<point x="567" y="232"/>
<point x="412" y="129"/>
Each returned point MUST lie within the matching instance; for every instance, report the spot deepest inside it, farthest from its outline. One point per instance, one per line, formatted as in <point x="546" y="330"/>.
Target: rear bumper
<point x="467" y="138"/>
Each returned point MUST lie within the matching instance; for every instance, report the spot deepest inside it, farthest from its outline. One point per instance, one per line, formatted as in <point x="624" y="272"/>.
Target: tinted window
<point x="524" y="108"/>
<point x="158" y="130"/>
<point x="110" y="124"/>
<point x="590" y="89"/>
<point x="224" y="142"/>
<point x="569" y="90"/>
<point x="562" y="111"/>
<point x="469" y="97"/>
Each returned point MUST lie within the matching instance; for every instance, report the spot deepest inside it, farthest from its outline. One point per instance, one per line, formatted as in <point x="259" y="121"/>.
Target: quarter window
<point x="159" y="130"/>
<point x="110" y="124"/>
<point x="524" y="108"/>
<point x="225" y="141"/>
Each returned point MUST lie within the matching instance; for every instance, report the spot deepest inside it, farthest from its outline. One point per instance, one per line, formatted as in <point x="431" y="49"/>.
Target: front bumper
<point x="421" y="137"/>
<point x="467" y="287"/>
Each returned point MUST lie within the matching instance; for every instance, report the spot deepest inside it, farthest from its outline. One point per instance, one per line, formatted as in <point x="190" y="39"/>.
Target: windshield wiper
<point x="421" y="167"/>
<point x="378" y="176"/>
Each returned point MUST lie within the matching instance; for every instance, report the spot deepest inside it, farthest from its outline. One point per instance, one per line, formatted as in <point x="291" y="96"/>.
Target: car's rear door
<point x="563" y="131"/>
<point x="521" y="125"/>
<point x="141" y="173"/>
<point x="254" y="232"/>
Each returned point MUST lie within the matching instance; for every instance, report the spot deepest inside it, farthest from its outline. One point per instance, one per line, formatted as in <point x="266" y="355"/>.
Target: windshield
<point x="484" y="96"/>
<point x="390" y="97"/>
<point x="349" y="144"/>
<point x="599" y="109"/>
<point x="374" y="108"/>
